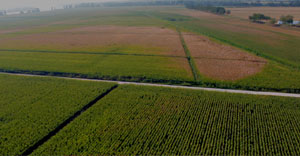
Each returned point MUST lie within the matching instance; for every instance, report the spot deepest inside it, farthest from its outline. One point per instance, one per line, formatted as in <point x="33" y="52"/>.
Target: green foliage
<point x="32" y="107"/>
<point x="228" y="12"/>
<point x="259" y="16"/>
<point x="212" y="9"/>
<point x="273" y="21"/>
<point x="287" y="19"/>
<point x="136" y="120"/>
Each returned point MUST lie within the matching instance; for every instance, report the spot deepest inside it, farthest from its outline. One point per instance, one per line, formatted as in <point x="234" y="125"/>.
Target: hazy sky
<point x="42" y="4"/>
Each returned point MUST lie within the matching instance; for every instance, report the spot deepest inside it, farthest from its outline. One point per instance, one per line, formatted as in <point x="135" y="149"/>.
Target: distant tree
<point x="273" y="21"/>
<point x="287" y="19"/>
<point x="258" y="16"/>
<point x="35" y="10"/>
<point x="228" y="12"/>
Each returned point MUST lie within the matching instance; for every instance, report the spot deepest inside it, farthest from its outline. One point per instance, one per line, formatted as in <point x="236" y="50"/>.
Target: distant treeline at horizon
<point x="233" y="3"/>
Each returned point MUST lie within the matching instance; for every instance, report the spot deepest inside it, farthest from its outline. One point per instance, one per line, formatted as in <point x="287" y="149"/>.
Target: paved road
<point x="171" y="86"/>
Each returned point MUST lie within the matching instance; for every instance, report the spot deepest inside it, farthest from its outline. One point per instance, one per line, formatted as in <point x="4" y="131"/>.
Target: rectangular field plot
<point x="222" y="62"/>
<point x="32" y="107"/>
<point x="110" y="39"/>
<point x="135" y="120"/>
<point x="118" y="67"/>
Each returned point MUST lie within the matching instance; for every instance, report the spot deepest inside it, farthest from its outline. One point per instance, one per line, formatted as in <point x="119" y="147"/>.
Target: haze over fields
<point x="42" y="4"/>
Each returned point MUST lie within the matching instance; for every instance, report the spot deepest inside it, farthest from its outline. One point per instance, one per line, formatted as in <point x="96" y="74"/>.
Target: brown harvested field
<point x="220" y="61"/>
<point x="228" y="69"/>
<point x="274" y="12"/>
<point x="147" y="40"/>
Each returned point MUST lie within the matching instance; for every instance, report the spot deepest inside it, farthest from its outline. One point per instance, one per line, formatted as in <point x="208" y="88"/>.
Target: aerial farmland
<point x="159" y="78"/>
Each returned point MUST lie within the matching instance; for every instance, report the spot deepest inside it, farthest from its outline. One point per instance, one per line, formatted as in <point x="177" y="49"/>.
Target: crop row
<point x="148" y="120"/>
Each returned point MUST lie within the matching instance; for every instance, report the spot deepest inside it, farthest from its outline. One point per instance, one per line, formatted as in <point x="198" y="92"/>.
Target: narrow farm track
<point x="171" y="86"/>
<point x="188" y="56"/>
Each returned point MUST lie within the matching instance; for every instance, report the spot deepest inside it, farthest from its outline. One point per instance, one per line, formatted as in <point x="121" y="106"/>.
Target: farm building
<point x="279" y="22"/>
<point x="296" y="22"/>
<point x="2" y="12"/>
<point x="22" y="11"/>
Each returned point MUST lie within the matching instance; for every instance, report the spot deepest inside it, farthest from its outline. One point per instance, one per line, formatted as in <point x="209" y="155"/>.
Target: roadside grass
<point x="32" y="107"/>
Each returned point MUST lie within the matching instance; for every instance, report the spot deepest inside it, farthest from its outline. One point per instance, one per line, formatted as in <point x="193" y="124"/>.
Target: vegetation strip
<point x="88" y="53"/>
<point x="173" y="86"/>
<point x="188" y="56"/>
<point x="66" y="122"/>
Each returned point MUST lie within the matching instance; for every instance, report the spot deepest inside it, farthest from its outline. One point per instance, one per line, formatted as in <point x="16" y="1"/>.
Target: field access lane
<point x="172" y="86"/>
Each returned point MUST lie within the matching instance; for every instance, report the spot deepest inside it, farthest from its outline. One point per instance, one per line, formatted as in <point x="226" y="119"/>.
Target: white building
<point x="13" y="12"/>
<point x="296" y="22"/>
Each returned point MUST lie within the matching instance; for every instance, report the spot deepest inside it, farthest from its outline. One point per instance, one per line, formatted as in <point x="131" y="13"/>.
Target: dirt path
<point x="172" y="86"/>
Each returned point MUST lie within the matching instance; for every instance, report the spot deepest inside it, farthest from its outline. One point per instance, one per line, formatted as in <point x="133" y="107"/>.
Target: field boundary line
<point x="66" y="122"/>
<point x="190" y="59"/>
<point x="168" y="86"/>
<point x="87" y="53"/>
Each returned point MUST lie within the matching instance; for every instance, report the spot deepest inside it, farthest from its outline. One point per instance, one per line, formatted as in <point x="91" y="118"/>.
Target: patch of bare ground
<point x="229" y="70"/>
<point x="98" y="37"/>
<point x="220" y="61"/>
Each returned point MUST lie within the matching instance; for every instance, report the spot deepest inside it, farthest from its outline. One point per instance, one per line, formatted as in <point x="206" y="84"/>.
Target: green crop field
<point x="32" y="107"/>
<point x="134" y="120"/>
<point x="99" y="66"/>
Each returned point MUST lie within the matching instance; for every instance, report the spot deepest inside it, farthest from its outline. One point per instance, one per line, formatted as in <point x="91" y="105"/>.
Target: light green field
<point x="127" y="67"/>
